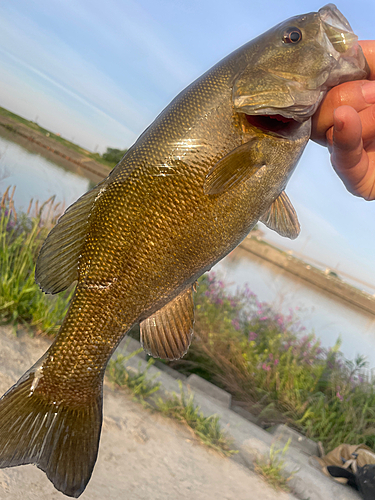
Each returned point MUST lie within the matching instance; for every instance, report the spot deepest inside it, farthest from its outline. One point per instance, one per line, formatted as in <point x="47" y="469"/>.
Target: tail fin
<point x="61" y="440"/>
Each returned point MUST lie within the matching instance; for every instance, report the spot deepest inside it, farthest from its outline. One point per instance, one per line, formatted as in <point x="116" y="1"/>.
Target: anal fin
<point x="167" y="333"/>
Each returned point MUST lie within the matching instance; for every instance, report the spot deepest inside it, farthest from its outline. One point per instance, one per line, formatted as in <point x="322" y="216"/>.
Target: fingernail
<point x="368" y="92"/>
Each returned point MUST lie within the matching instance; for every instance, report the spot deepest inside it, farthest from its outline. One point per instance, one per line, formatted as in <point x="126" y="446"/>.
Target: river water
<point x="329" y="318"/>
<point x="37" y="178"/>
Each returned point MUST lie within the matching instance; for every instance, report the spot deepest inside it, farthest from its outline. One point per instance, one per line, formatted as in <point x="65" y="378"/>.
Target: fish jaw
<point x="351" y="62"/>
<point x="291" y="79"/>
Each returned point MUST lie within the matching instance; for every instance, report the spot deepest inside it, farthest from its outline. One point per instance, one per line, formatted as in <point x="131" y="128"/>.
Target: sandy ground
<point x="141" y="456"/>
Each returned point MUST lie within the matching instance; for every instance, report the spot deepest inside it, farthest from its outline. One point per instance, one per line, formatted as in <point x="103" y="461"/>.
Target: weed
<point x="272" y="468"/>
<point x="139" y="382"/>
<point x="21" y="300"/>
<point x="207" y="429"/>
<point x="275" y="370"/>
<point x="180" y="407"/>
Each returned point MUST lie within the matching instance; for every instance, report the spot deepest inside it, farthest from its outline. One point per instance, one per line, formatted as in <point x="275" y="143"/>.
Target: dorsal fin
<point x="57" y="265"/>
<point x="167" y="333"/>
<point x="282" y="218"/>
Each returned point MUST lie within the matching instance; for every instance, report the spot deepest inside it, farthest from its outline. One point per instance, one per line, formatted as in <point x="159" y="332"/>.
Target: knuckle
<point x="348" y="93"/>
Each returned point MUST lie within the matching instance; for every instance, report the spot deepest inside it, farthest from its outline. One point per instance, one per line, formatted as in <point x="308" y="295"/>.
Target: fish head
<point x="291" y="67"/>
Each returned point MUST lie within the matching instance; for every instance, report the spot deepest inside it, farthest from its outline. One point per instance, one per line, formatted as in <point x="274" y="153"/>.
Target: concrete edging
<point x="253" y="442"/>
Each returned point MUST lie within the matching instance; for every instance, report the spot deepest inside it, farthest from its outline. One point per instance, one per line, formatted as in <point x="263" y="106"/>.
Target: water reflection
<point x="35" y="177"/>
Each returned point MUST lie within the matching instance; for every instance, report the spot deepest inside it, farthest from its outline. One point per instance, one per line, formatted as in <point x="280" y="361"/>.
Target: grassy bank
<point x="21" y="236"/>
<point x="276" y="370"/>
<point x="265" y="359"/>
<point x="109" y="159"/>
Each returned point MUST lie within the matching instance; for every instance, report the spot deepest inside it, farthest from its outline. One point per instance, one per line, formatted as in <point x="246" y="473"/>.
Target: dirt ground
<point x="141" y="456"/>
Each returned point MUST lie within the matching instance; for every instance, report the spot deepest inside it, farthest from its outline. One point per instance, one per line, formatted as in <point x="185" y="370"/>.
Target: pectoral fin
<point x="282" y="218"/>
<point x="167" y="333"/>
<point x="235" y="167"/>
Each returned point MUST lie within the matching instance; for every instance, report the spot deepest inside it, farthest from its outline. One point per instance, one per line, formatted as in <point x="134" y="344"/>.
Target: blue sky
<point x="99" y="73"/>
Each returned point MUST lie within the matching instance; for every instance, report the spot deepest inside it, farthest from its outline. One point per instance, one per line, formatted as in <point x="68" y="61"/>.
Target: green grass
<point x="178" y="406"/>
<point x="138" y="382"/>
<point x="272" y="468"/>
<point x="21" y="300"/>
<point x="207" y="429"/>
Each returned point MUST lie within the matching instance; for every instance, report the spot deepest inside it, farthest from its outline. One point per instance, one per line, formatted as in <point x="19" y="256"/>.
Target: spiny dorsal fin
<point x="235" y="167"/>
<point x="57" y="265"/>
<point x="167" y="333"/>
<point x="282" y="218"/>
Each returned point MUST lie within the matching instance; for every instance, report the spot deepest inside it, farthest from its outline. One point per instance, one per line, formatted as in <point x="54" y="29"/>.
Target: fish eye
<point x="292" y="35"/>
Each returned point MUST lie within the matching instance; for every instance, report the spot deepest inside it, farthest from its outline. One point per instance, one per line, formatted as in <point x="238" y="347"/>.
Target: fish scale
<point x="184" y="195"/>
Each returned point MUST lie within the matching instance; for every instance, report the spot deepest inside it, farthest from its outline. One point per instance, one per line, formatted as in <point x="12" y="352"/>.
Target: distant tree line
<point x="113" y="155"/>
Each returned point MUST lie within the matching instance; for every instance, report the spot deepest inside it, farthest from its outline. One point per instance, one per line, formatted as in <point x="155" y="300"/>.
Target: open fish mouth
<point x="276" y="124"/>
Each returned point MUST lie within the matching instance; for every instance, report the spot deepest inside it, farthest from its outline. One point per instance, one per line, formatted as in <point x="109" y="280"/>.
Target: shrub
<point x="276" y="370"/>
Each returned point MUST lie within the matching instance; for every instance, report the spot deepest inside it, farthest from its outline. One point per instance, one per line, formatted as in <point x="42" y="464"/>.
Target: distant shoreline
<point x="329" y="283"/>
<point x="45" y="145"/>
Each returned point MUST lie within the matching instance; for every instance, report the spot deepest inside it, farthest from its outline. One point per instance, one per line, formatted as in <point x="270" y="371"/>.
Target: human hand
<point x="345" y="122"/>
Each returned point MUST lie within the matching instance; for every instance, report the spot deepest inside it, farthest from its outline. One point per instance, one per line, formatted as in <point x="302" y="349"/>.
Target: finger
<point x="348" y="115"/>
<point x="367" y="117"/>
<point x="348" y="157"/>
<point x="359" y="94"/>
<point x="368" y="47"/>
<point x="346" y="147"/>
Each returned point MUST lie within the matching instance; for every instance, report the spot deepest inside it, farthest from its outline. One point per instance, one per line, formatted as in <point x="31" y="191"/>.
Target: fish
<point x="197" y="180"/>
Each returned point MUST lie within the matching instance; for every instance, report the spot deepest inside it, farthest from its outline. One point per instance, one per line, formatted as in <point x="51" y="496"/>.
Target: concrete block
<point x="282" y="434"/>
<point x="253" y="441"/>
<point x="245" y="414"/>
<point x="222" y="397"/>
<point x="167" y="369"/>
<point x="129" y="345"/>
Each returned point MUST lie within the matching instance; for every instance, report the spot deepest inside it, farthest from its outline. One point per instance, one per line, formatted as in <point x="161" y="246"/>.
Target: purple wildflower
<point x="236" y="324"/>
<point x="252" y="336"/>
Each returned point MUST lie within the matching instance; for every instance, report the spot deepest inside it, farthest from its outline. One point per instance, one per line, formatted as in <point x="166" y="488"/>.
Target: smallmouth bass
<point x="211" y="165"/>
